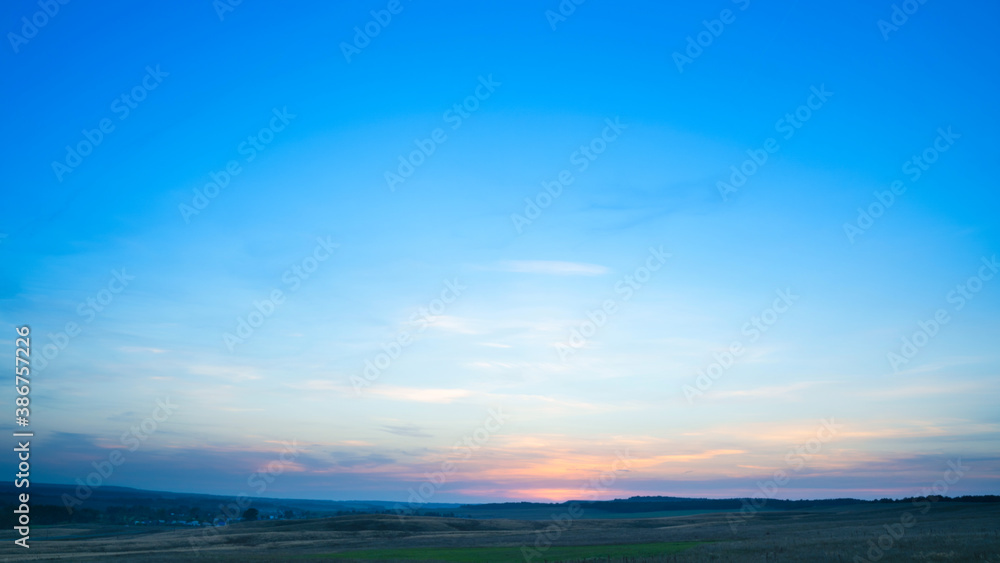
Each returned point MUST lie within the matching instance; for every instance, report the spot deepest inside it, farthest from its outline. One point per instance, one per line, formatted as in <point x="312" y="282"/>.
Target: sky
<point x="442" y="252"/>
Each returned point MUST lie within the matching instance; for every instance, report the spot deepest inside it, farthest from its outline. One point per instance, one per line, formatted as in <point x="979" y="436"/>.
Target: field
<point x="513" y="554"/>
<point x="947" y="532"/>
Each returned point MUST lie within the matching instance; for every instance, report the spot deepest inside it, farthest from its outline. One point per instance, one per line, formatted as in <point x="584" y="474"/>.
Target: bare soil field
<point x="949" y="532"/>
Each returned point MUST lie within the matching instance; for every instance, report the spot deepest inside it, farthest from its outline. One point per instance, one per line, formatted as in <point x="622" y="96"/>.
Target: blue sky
<point x="329" y="128"/>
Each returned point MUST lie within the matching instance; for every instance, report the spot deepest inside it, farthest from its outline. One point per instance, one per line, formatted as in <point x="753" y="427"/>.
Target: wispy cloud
<point x="552" y="268"/>
<point x="419" y="395"/>
<point x="409" y="430"/>
<point x="229" y="373"/>
<point x="135" y="349"/>
<point x="772" y="391"/>
<point x="926" y="389"/>
<point x="448" y="323"/>
<point x="390" y="392"/>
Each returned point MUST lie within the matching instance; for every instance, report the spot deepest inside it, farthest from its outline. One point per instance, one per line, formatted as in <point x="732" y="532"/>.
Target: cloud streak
<point x="552" y="268"/>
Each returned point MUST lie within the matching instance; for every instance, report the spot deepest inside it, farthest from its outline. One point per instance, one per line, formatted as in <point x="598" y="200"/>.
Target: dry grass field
<point x="948" y="532"/>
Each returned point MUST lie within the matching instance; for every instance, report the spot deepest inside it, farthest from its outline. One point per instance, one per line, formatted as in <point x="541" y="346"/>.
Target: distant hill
<point x="123" y="505"/>
<point x="661" y="504"/>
